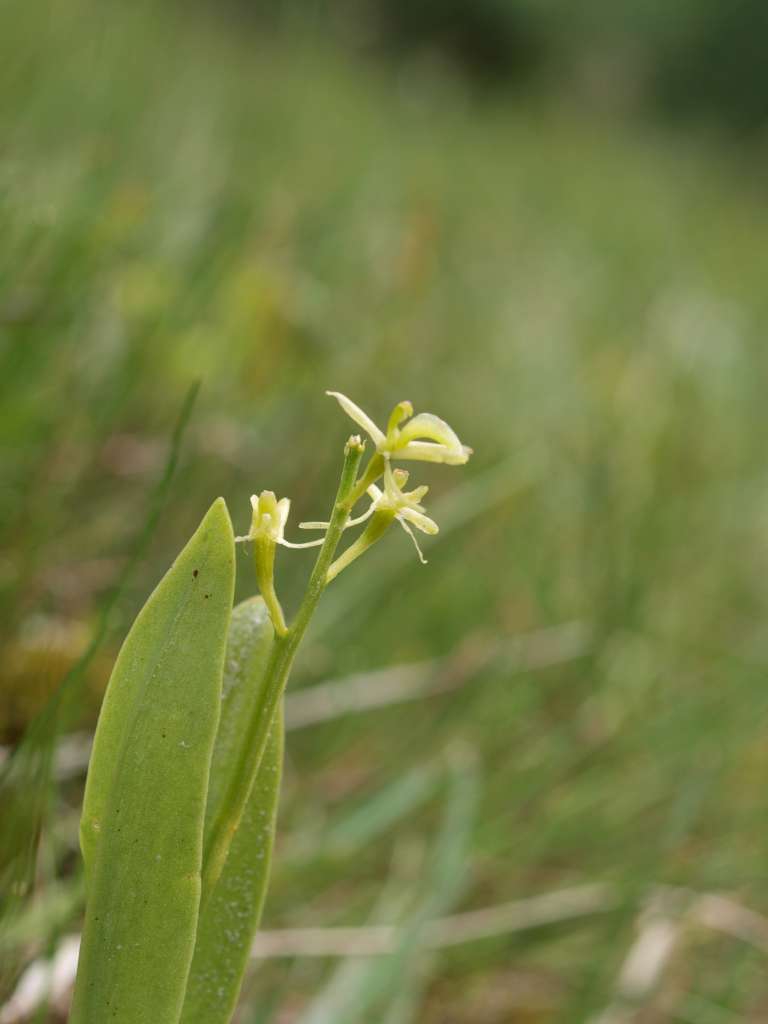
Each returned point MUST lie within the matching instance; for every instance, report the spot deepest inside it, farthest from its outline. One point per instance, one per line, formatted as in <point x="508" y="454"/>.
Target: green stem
<point x="375" y="530"/>
<point x="373" y="471"/>
<point x="271" y="689"/>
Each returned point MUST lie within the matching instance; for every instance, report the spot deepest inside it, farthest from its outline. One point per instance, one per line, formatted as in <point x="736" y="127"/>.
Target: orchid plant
<point x="182" y="791"/>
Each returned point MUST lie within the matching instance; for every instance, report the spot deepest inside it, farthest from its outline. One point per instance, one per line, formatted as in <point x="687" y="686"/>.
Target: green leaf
<point x="144" y="809"/>
<point x="230" y="916"/>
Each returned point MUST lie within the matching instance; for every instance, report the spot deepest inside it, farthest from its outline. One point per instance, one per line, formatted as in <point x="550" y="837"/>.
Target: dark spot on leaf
<point x="195" y="572"/>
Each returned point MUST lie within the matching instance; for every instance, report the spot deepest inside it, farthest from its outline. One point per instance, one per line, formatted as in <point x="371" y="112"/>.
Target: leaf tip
<point x="218" y="517"/>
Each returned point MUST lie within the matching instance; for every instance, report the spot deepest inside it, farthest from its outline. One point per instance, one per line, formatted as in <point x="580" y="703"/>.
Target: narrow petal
<point x="283" y="511"/>
<point x="419" y="520"/>
<point x="401" y="412"/>
<point x="360" y="418"/>
<point x="415" y="496"/>
<point x="412" y="535"/>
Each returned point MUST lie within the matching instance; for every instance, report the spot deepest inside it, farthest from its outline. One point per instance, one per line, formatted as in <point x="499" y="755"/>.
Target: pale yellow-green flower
<point x="406" y="505"/>
<point x="393" y="503"/>
<point x="268" y="518"/>
<point x="268" y="521"/>
<point x="424" y="437"/>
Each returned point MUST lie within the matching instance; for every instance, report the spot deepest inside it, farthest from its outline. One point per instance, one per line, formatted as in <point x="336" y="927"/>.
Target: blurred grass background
<point x="513" y="226"/>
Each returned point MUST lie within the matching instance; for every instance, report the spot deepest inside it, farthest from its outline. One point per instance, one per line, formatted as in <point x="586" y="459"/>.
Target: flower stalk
<point x="264" y="563"/>
<point x="375" y="530"/>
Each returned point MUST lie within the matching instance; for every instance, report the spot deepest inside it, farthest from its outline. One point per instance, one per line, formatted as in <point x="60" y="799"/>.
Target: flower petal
<point x="283" y="510"/>
<point x="415" y="496"/>
<point x="425" y="426"/>
<point x="419" y="520"/>
<point x="360" y="418"/>
<point x="402" y="411"/>
<point x="428" y="451"/>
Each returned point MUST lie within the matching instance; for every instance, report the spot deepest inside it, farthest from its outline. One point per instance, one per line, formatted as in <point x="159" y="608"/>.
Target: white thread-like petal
<point x="305" y="544"/>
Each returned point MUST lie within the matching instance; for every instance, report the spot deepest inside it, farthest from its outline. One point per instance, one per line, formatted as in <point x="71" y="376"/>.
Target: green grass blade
<point x="231" y="913"/>
<point x="144" y="808"/>
<point x="381" y="811"/>
<point x="25" y="781"/>
<point x="362" y="987"/>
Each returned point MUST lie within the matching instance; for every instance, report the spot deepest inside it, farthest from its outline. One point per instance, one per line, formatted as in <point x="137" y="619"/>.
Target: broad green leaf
<point x="230" y="916"/>
<point x="144" y="808"/>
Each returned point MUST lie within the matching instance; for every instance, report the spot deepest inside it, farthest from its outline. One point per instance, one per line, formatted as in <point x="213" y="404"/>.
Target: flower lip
<point x="428" y="451"/>
<point x="429" y="428"/>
